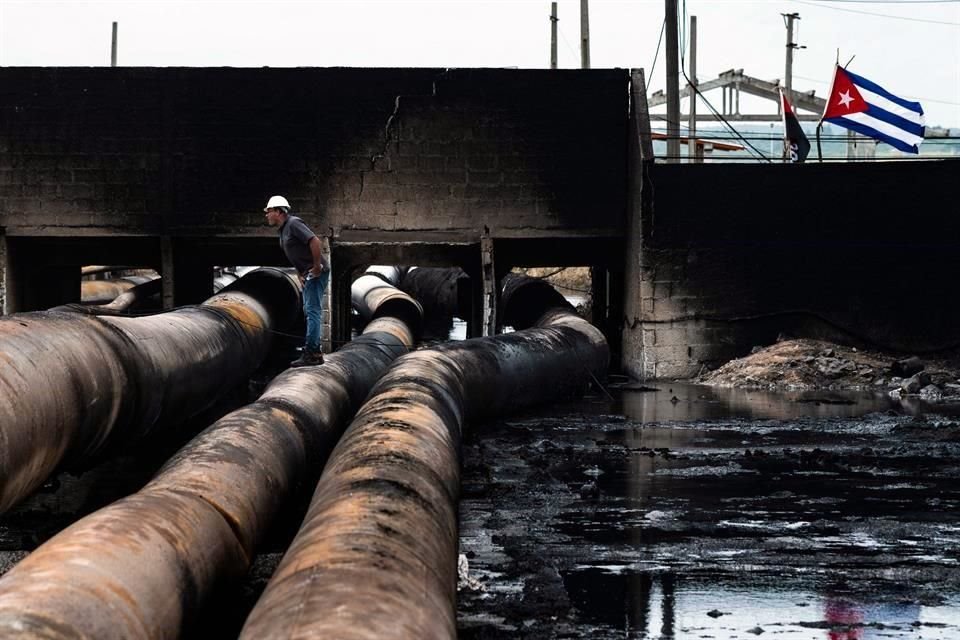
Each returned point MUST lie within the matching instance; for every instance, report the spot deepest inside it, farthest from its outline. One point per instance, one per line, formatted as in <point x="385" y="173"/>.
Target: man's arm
<point x="320" y="262"/>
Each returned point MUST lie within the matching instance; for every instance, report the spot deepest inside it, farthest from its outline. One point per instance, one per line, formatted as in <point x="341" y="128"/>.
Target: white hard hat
<point x="276" y="201"/>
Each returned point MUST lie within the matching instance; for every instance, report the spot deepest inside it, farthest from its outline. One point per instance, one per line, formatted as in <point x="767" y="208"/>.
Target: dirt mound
<point x="815" y="364"/>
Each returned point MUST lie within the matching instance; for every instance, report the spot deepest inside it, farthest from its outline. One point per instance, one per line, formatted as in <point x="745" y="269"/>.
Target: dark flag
<point x="795" y="143"/>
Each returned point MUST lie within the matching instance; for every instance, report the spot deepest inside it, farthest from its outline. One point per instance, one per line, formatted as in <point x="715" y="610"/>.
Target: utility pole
<point x="673" y="82"/>
<point x="584" y="34"/>
<point x="113" y="47"/>
<point x="553" y="35"/>
<point x="693" y="149"/>
<point x="788" y="19"/>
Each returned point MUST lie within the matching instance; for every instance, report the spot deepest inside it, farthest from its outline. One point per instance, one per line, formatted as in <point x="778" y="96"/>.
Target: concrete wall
<point x="198" y="151"/>
<point x="732" y="256"/>
<point x="184" y="160"/>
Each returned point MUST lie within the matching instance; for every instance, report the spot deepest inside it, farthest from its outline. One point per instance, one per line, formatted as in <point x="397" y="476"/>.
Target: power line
<point x="814" y="3"/>
<point x="565" y="41"/>
<point x="710" y="106"/>
<point x="895" y="1"/>
<point x="817" y="81"/>
<point x="653" y="66"/>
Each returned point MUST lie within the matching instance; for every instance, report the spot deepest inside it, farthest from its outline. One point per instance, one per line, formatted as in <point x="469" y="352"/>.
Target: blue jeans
<point x="313" y="290"/>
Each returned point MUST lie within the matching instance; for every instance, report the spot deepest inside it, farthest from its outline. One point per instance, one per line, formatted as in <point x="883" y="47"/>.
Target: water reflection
<point x="679" y="401"/>
<point x="853" y="620"/>
<point x="668" y="605"/>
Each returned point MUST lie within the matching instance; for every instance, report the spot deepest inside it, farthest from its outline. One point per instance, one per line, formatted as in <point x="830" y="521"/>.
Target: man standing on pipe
<point x="304" y="250"/>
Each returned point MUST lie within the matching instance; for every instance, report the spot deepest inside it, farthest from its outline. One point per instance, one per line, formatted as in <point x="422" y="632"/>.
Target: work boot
<point x="308" y="359"/>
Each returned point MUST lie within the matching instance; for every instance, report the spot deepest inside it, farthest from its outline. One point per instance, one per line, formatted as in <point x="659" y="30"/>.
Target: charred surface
<point x="709" y="519"/>
<point x="378" y="545"/>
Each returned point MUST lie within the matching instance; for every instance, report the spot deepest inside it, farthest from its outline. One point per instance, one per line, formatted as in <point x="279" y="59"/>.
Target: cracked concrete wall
<point x="197" y="151"/>
<point x="866" y="254"/>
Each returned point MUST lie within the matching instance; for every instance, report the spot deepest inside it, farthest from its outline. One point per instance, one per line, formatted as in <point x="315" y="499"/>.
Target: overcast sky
<point x="911" y="47"/>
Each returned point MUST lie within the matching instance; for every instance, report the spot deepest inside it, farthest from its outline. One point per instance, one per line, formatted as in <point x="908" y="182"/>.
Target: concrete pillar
<point x="326" y="331"/>
<point x="12" y="287"/>
<point x="167" y="272"/>
<point x="475" y="319"/>
<point x="3" y="272"/>
<point x="489" y="276"/>
<point x="599" y="298"/>
<point x="613" y="328"/>
<point x="631" y="348"/>
<point x="341" y="278"/>
<point x="187" y="275"/>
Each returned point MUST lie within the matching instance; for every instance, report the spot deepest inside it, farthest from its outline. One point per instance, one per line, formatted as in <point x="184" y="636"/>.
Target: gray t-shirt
<point x="295" y="238"/>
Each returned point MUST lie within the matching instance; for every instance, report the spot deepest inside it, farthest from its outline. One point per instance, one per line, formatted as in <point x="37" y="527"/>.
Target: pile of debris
<point x="814" y="364"/>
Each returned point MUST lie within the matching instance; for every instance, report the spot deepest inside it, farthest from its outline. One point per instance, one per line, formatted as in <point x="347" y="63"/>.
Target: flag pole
<point x="829" y="95"/>
<point x="819" y="150"/>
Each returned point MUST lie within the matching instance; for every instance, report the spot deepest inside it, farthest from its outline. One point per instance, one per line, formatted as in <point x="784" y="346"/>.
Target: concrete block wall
<point x="866" y="254"/>
<point x="197" y="151"/>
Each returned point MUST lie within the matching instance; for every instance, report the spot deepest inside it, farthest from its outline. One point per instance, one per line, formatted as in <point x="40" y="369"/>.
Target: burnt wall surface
<point x="188" y="151"/>
<point x="734" y="255"/>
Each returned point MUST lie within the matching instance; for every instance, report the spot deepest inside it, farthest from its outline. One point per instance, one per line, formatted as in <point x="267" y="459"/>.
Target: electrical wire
<point x="823" y="82"/>
<point x="895" y="1"/>
<point x="710" y="106"/>
<point x="565" y="42"/>
<point x="812" y="3"/>
<point x="656" y="54"/>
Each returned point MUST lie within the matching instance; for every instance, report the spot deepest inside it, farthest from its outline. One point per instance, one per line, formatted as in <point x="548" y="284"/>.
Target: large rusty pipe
<point x="122" y="304"/>
<point x="94" y="269"/>
<point x="223" y="280"/>
<point x="443" y="292"/>
<point x="141" y="567"/>
<point x="73" y="384"/>
<point x="373" y="296"/>
<point x="105" y="291"/>
<point x="134" y="296"/>
<point x="376" y="554"/>
<point x="390" y="274"/>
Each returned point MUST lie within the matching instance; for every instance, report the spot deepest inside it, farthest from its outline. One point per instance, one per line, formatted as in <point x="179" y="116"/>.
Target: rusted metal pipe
<point x="376" y="554"/>
<point x="373" y="296"/>
<point x="74" y="384"/>
<point x="140" y="568"/>
<point x="95" y="269"/>
<point x="122" y="304"/>
<point x="443" y="292"/>
<point x="105" y="291"/>
<point x="388" y="273"/>
<point x="223" y="280"/>
<point x="134" y="296"/>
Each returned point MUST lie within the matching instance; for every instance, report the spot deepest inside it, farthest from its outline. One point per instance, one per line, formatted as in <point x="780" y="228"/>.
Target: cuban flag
<point x="867" y="108"/>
